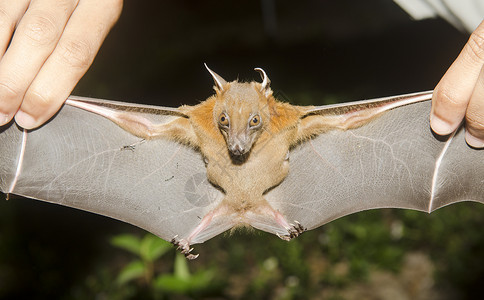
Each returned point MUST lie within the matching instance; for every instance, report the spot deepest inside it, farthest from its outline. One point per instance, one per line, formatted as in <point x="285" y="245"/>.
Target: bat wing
<point x="83" y="160"/>
<point x="393" y="161"/>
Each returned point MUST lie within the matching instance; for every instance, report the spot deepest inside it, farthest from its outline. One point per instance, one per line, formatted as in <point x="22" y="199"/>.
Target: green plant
<point x="146" y="269"/>
<point x="147" y="251"/>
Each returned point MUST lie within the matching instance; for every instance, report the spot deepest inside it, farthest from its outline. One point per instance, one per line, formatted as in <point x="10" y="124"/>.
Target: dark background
<point x="356" y="48"/>
<point x="315" y="52"/>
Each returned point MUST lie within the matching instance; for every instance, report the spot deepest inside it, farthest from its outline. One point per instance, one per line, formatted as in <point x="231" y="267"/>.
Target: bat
<point x="239" y="158"/>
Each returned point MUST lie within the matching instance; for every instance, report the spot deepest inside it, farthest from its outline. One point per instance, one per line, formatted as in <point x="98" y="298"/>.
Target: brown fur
<point x="265" y="164"/>
<point x="243" y="160"/>
<point x="244" y="135"/>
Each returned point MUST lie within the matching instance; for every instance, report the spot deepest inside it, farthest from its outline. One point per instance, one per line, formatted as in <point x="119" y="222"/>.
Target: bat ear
<point x="219" y="81"/>
<point x="265" y="85"/>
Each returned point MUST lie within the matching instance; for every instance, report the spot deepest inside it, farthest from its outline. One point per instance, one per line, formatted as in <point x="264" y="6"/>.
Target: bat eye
<point x="254" y="121"/>
<point x="223" y="120"/>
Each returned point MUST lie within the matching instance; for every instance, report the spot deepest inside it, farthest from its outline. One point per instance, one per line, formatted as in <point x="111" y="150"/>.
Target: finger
<point x="475" y="115"/>
<point x="82" y="38"/>
<point x="453" y="93"/>
<point x="34" y="40"/>
<point x="10" y="13"/>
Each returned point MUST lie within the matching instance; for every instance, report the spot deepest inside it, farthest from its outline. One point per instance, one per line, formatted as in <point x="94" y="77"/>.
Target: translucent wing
<point x="83" y="160"/>
<point x="391" y="161"/>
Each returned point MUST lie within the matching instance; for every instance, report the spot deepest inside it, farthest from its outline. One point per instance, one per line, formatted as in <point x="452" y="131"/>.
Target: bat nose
<point x="237" y="149"/>
<point x="238" y="143"/>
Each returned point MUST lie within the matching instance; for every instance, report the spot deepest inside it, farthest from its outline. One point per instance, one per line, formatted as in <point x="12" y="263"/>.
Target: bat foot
<point x="294" y="231"/>
<point x="184" y="247"/>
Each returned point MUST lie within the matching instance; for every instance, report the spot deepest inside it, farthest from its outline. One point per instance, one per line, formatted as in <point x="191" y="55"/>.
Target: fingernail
<point x="440" y="126"/>
<point x="474" y="141"/>
<point x="25" y="120"/>
<point x="4" y="119"/>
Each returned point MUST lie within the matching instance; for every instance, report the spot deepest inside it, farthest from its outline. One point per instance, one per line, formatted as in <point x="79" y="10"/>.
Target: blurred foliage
<point x="145" y="270"/>
<point x="370" y="255"/>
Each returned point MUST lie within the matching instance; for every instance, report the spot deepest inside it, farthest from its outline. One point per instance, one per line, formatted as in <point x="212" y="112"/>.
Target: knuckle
<point x="8" y="90"/>
<point x="475" y="120"/>
<point x="76" y="53"/>
<point x="35" y="102"/>
<point x="445" y="98"/>
<point x="40" y="29"/>
<point x="475" y="46"/>
<point x="6" y="21"/>
<point x="66" y="5"/>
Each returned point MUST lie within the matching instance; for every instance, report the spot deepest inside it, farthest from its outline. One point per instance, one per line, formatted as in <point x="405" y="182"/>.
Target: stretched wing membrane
<point x="82" y="160"/>
<point x="394" y="161"/>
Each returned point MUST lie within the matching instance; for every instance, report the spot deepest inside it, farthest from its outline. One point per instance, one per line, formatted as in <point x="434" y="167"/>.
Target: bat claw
<point x="294" y="231"/>
<point x="191" y="256"/>
<point x="184" y="247"/>
<point x="283" y="237"/>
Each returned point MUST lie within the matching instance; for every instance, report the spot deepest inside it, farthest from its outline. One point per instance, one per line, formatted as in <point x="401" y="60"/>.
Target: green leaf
<point x="202" y="280"/>
<point x="134" y="270"/>
<point x="171" y="283"/>
<point x="178" y="282"/>
<point x="152" y="248"/>
<point x="181" y="267"/>
<point x="127" y="242"/>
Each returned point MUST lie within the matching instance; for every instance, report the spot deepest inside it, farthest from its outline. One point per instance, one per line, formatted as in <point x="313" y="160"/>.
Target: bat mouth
<point x="238" y="149"/>
<point x="238" y="152"/>
<point x="239" y="157"/>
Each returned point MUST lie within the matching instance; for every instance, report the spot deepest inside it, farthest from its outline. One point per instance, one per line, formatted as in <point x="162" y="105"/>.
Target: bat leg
<point x="271" y="220"/>
<point x="224" y="217"/>
<point x="184" y="247"/>
<point x="213" y="223"/>
<point x="294" y="231"/>
<point x="184" y="244"/>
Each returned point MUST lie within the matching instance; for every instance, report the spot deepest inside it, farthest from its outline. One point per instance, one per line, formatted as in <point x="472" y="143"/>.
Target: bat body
<point x="239" y="158"/>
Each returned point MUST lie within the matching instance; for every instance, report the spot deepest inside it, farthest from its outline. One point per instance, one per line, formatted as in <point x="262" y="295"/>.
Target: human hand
<point x="460" y="93"/>
<point x="52" y="44"/>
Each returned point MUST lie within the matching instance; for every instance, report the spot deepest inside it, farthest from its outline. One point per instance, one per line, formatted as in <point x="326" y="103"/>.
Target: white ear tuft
<point x="219" y="81"/>
<point x="265" y="81"/>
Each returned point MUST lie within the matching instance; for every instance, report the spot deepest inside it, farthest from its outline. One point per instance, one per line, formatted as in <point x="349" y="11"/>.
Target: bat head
<point x="241" y="112"/>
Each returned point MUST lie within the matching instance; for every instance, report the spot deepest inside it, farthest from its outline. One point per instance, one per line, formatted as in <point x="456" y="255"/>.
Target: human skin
<point x="460" y="93"/>
<point x="46" y="46"/>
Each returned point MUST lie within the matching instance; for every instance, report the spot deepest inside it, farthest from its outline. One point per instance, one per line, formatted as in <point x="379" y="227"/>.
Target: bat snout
<point x="237" y="149"/>
<point x="239" y="144"/>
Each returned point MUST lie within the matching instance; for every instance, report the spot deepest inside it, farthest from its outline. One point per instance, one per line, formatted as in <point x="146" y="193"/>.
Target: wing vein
<point x="141" y="180"/>
<point x="20" y="161"/>
<point x="435" y="176"/>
